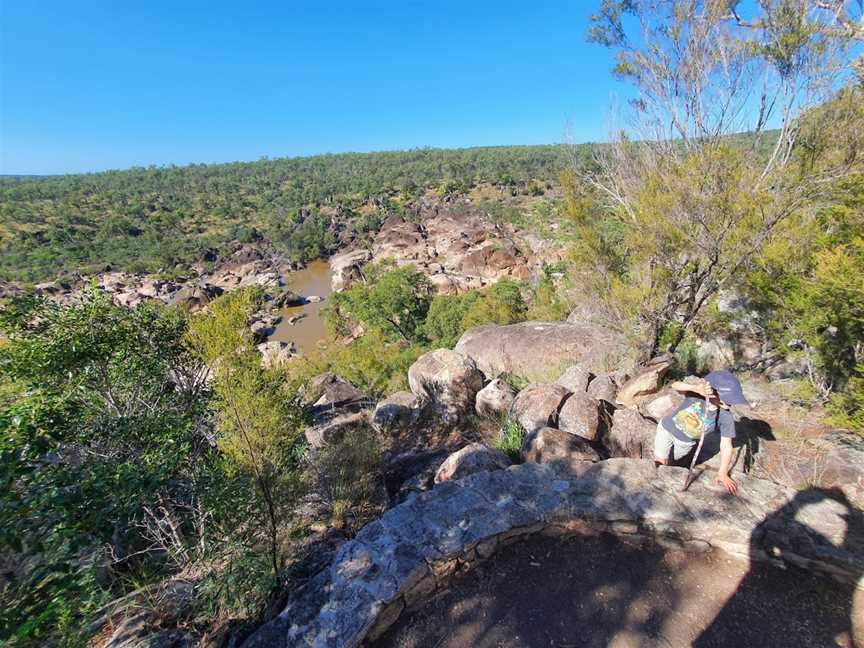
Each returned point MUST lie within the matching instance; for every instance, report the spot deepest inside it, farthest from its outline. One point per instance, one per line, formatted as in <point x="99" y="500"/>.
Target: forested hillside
<point x="156" y="218"/>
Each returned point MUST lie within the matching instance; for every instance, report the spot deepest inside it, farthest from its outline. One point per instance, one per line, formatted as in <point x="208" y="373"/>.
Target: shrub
<point x="510" y="439"/>
<point x="501" y="303"/>
<point x="347" y="474"/>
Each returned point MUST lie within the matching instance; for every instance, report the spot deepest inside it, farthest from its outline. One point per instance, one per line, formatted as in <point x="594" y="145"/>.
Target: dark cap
<point x="727" y="387"/>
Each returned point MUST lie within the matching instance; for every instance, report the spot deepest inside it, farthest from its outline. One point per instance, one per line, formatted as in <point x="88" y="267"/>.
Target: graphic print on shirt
<point x="693" y="420"/>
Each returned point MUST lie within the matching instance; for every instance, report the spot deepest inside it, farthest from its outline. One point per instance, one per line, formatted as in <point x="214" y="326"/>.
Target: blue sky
<point x="86" y="86"/>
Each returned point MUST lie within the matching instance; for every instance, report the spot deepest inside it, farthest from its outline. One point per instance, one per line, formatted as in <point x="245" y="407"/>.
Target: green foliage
<point x="510" y="439"/>
<point x="501" y="303"/>
<point x="373" y="362"/>
<point x="809" y="292"/>
<point x="162" y="218"/>
<point x="347" y="473"/>
<point x="393" y="300"/>
<point x="258" y="419"/>
<point x="445" y="321"/>
<point x="546" y="302"/>
<point x="98" y="422"/>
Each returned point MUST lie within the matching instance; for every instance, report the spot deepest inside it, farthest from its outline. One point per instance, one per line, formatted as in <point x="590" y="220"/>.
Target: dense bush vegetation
<point x="125" y="460"/>
<point x="157" y="218"/>
<point x="99" y="429"/>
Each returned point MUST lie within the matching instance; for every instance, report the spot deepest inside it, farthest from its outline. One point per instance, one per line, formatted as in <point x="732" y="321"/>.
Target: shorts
<point x="664" y="441"/>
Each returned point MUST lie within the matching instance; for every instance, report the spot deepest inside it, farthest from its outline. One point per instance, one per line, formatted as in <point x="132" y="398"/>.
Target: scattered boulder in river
<point x="471" y="459"/>
<point x="538" y="351"/>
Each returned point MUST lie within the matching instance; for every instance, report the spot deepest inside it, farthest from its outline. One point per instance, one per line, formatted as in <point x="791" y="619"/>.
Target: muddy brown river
<point x="308" y="330"/>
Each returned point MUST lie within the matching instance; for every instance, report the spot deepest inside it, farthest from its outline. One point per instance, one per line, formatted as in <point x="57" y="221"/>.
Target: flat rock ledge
<point x="400" y="560"/>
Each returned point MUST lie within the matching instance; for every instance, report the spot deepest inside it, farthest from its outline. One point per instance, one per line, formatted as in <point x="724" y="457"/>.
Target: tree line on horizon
<point x="163" y="218"/>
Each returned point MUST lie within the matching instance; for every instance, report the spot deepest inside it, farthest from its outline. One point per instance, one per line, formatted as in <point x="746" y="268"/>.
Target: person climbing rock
<point x="706" y="412"/>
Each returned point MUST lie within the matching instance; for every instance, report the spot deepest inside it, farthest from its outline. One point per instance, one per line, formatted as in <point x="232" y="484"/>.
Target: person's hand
<point x="705" y="388"/>
<point x="728" y="483"/>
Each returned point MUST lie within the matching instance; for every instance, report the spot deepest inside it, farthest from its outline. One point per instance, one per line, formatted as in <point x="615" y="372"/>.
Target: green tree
<point x="99" y="423"/>
<point x="692" y="203"/>
<point x="258" y="418"/>
<point x="393" y="300"/>
<point x="445" y="321"/>
<point x="501" y="303"/>
<point x="808" y="288"/>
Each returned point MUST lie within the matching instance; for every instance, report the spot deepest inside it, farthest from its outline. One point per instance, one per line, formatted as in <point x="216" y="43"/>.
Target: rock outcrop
<point x="400" y="560"/>
<point x="495" y="399"/>
<point x="580" y="415"/>
<point x="575" y="379"/>
<point x="335" y="407"/>
<point x="645" y="382"/>
<point x="446" y="380"/>
<point x="603" y="387"/>
<point x="347" y="268"/>
<point x="561" y="450"/>
<point x="537" y="406"/>
<point x="662" y="404"/>
<point x="397" y="413"/>
<point x="457" y="247"/>
<point x="539" y="351"/>
<point x="471" y="459"/>
<point x="630" y="435"/>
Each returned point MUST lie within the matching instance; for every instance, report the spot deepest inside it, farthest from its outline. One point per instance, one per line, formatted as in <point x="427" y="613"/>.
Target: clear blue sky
<point x="86" y="86"/>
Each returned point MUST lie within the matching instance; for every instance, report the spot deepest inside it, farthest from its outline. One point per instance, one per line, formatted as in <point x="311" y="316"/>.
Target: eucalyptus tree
<point x="719" y="146"/>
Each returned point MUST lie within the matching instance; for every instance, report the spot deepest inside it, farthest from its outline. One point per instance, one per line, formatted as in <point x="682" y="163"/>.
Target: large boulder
<point x="195" y="298"/>
<point x="603" y="387"/>
<point x="562" y="451"/>
<point x="645" y="382"/>
<point x="346" y="268"/>
<point x="334" y="406"/>
<point x="332" y="427"/>
<point x="398" y="412"/>
<point x="539" y="351"/>
<point x="401" y="240"/>
<point x="329" y="391"/>
<point x="662" y="404"/>
<point x="447" y="380"/>
<point x="630" y="435"/>
<point x="471" y="459"/>
<point x="537" y="405"/>
<point x="575" y="379"/>
<point x="495" y="399"/>
<point x="580" y="415"/>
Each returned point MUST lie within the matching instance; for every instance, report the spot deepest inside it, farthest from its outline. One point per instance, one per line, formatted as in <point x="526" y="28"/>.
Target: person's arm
<point x="725" y="464"/>
<point x="702" y="388"/>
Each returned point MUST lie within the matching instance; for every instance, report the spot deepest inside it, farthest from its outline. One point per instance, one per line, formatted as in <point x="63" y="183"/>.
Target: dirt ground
<point x="602" y="592"/>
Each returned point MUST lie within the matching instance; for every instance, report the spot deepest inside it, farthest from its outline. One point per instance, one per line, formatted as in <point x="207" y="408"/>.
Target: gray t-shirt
<point x="693" y="418"/>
